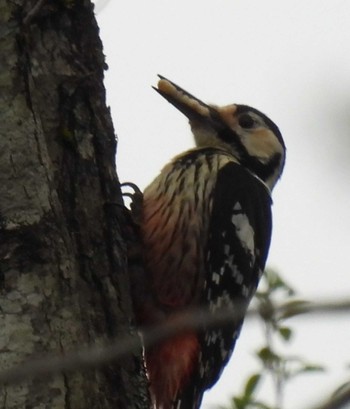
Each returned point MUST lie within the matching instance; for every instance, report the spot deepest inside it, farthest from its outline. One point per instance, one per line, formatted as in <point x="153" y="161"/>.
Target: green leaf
<point x="261" y="405"/>
<point x="266" y="309"/>
<point x="293" y="308"/>
<point x="313" y="368"/>
<point x="285" y="332"/>
<point x="302" y="367"/>
<point x="251" y="385"/>
<point x="267" y="356"/>
<point x="240" y="403"/>
<point x="275" y="282"/>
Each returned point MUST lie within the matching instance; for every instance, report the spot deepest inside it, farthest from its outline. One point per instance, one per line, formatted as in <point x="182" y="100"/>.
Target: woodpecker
<point x="205" y="227"/>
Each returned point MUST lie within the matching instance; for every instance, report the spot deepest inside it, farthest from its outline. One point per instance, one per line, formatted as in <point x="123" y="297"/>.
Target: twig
<point x="93" y="357"/>
<point x="337" y="400"/>
<point x="300" y="307"/>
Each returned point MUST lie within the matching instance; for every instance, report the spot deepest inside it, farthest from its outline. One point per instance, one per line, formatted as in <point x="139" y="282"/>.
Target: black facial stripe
<point x="230" y="137"/>
<point x="263" y="170"/>
<point x="226" y="134"/>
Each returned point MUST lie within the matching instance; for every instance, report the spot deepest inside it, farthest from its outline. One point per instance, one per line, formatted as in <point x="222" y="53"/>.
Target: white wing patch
<point x="244" y="230"/>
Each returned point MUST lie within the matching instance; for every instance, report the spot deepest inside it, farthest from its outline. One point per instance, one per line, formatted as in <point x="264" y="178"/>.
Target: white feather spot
<point x="216" y="278"/>
<point x="237" y="275"/>
<point x="245" y="291"/>
<point x="244" y="230"/>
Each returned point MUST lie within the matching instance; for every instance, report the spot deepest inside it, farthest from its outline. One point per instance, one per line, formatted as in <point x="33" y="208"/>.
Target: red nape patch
<point x="169" y="366"/>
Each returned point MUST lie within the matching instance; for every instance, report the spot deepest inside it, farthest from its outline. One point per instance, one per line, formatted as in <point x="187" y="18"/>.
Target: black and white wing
<point x="239" y="240"/>
<point x="238" y="244"/>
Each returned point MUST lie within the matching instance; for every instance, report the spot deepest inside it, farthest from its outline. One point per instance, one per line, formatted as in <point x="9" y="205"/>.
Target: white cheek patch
<point x="262" y="144"/>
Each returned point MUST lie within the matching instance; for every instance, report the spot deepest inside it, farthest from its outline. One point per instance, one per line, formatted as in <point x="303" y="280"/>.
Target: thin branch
<point x="94" y="357"/>
<point x="316" y="307"/>
<point x="337" y="400"/>
<point x="300" y="307"/>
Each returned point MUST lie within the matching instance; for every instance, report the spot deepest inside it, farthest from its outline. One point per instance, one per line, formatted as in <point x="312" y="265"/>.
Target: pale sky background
<point x="291" y="60"/>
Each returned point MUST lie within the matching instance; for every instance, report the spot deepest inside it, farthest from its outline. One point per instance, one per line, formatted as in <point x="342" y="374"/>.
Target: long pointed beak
<point x="189" y="105"/>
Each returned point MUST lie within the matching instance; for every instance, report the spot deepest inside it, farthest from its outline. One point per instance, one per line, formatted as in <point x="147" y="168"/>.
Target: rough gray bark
<point x="63" y="278"/>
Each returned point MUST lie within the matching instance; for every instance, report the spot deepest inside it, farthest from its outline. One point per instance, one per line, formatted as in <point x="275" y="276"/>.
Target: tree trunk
<point x="63" y="275"/>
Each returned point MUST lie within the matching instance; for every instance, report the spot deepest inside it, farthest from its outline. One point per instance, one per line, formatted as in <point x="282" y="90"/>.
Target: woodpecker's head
<point x="249" y="135"/>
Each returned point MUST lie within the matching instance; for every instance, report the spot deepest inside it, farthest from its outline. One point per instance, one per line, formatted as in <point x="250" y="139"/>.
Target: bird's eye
<point x="246" y="121"/>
